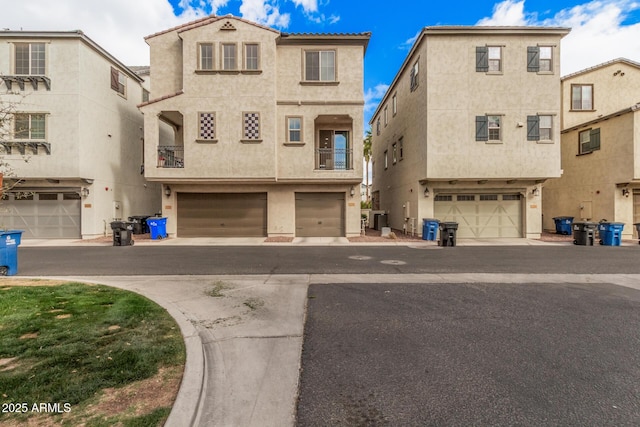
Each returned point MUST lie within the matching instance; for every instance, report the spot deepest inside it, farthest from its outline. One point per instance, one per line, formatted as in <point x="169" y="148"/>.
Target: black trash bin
<point x="447" y="233"/>
<point x="139" y="222"/>
<point x="637" y="224"/>
<point x="584" y="233"/>
<point x="122" y="233"/>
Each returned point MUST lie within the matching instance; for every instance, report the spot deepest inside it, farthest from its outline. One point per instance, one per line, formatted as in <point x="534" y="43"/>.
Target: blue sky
<point x="601" y="29"/>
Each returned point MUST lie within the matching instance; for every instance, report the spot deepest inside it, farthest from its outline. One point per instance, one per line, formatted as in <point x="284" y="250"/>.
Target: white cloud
<point x="121" y="34"/>
<point x="507" y="13"/>
<point x="309" y="6"/>
<point x="373" y="96"/>
<point x="264" y="12"/>
<point x="408" y="44"/>
<point x="597" y="31"/>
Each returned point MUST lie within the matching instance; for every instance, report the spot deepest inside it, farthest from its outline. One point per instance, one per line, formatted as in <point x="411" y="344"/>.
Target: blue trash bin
<point x="610" y="233"/>
<point x="157" y="227"/>
<point x="563" y="224"/>
<point x="429" y="228"/>
<point x="9" y="242"/>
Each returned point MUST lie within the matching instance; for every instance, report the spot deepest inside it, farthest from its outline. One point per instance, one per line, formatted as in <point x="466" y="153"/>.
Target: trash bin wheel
<point x="575" y="242"/>
<point x="4" y="271"/>
<point x="601" y="242"/>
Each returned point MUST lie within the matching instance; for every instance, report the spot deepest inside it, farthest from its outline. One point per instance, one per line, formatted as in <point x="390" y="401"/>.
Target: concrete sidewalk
<point x="244" y="335"/>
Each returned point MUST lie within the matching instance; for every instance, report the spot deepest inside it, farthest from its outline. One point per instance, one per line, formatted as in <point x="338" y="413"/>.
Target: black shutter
<point x="482" y="59"/>
<point x="594" y="139"/>
<point x="533" y="58"/>
<point x="482" y="128"/>
<point x="533" y="128"/>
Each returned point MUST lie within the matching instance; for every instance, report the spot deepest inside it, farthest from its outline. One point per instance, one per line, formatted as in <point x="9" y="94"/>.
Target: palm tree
<point x="367" y="159"/>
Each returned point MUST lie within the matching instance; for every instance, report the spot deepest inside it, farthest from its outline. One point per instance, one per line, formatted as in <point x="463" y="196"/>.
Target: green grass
<point x="71" y="342"/>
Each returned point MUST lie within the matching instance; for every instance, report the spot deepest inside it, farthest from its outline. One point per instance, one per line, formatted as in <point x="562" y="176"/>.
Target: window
<point x="206" y="56"/>
<point x="118" y="81"/>
<point x="401" y="148"/>
<point x="251" y="126"/>
<point x="540" y="128"/>
<point x="294" y="124"/>
<point x="413" y="77"/>
<point x="29" y="126"/>
<point x="333" y="150"/>
<point x="30" y="59"/>
<point x="582" y="97"/>
<point x="488" y="59"/>
<point x="145" y="95"/>
<point x="251" y="57"/>
<point x="378" y="126"/>
<point x="394" y="104"/>
<point x="589" y="141"/>
<point x="386" y="116"/>
<point x="229" y="57"/>
<point x="488" y="128"/>
<point x="540" y="58"/>
<point x="207" y="126"/>
<point x="466" y="198"/>
<point x="394" y="153"/>
<point x="386" y="159"/>
<point x="320" y="65"/>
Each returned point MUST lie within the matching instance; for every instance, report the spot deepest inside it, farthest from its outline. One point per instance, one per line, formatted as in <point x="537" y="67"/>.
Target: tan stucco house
<point x="74" y="118"/>
<point x="266" y="129"/>
<point x="600" y="147"/>
<point x="469" y="130"/>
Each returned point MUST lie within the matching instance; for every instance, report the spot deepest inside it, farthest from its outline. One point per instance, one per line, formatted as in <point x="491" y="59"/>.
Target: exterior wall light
<point x="84" y="192"/>
<point x="167" y="191"/>
<point x="535" y="192"/>
<point x="625" y="192"/>
<point x="426" y="191"/>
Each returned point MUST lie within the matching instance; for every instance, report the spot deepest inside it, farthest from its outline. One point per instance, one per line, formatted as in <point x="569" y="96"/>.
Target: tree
<point x="367" y="158"/>
<point x="8" y="108"/>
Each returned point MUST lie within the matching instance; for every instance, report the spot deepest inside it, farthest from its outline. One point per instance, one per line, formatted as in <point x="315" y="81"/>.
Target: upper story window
<point x="394" y="104"/>
<point x="386" y="159"/>
<point x="320" y="65"/>
<point x="378" y="126"/>
<point x="30" y="126"/>
<point x="540" y="128"/>
<point x="394" y="153"/>
<point x="589" y="141"/>
<point x="540" y="58"/>
<point x="413" y="77"/>
<point x="386" y="116"/>
<point x="229" y="56"/>
<point x="401" y="148"/>
<point x="118" y="81"/>
<point x="205" y="60"/>
<point x="251" y="127"/>
<point x="489" y="59"/>
<point x="488" y="128"/>
<point x="251" y="56"/>
<point x="30" y="59"/>
<point x="294" y="125"/>
<point x="207" y="126"/>
<point x="582" y="97"/>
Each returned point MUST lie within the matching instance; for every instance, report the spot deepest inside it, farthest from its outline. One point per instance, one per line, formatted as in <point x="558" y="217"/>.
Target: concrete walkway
<point x="244" y="335"/>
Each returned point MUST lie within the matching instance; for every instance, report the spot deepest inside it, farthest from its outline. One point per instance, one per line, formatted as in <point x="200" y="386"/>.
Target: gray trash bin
<point x="448" y="232"/>
<point x="122" y="232"/>
<point x="584" y="233"/>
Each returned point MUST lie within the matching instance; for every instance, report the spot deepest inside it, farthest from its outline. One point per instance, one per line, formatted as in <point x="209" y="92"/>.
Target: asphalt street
<point x="206" y="260"/>
<point x="470" y="354"/>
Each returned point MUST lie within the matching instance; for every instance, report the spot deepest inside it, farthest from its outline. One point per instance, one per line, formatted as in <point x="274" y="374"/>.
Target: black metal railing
<point x="171" y="156"/>
<point x="334" y="158"/>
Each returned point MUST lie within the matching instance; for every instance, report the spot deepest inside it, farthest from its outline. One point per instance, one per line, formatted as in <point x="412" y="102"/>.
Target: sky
<point x="602" y="30"/>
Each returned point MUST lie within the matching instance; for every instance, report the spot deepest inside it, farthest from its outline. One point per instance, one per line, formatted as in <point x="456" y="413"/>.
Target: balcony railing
<point x="334" y="158"/>
<point x="171" y="156"/>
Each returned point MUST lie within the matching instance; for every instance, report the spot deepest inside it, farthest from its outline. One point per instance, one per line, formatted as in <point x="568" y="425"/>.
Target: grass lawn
<point x="76" y="354"/>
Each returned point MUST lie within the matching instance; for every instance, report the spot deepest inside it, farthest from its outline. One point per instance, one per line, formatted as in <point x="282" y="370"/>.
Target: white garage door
<point x="482" y="215"/>
<point x="42" y="215"/>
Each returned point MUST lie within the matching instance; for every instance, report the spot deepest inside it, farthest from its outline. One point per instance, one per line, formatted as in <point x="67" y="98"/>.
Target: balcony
<point x="171" y="156"/>
<point x="334" y="159"/>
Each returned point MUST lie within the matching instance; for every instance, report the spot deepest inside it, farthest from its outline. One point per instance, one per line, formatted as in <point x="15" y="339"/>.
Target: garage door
<point x="222" y="214"/>
<point x="320" y="214"/>
<point x="42" y="215"/>
<point x="482" y="215"/>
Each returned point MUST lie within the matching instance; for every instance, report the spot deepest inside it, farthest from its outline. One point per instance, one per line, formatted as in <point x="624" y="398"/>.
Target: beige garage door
<point x="43" y="215"/>
<point x="222" y="214"/>
<point x="482" y="215"/>
<point x="320" y="214"/>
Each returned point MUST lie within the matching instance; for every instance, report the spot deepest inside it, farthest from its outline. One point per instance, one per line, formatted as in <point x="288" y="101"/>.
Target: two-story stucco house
<point x="469" y="130"/>
<point x="267" y="129"/>
<point x="73" y="117"/>
<point x="600" y="147"/>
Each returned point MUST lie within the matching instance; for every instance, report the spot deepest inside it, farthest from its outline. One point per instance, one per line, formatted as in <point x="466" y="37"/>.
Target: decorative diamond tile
<point x="207" y="126"/>
<point x="252" y="126"/>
